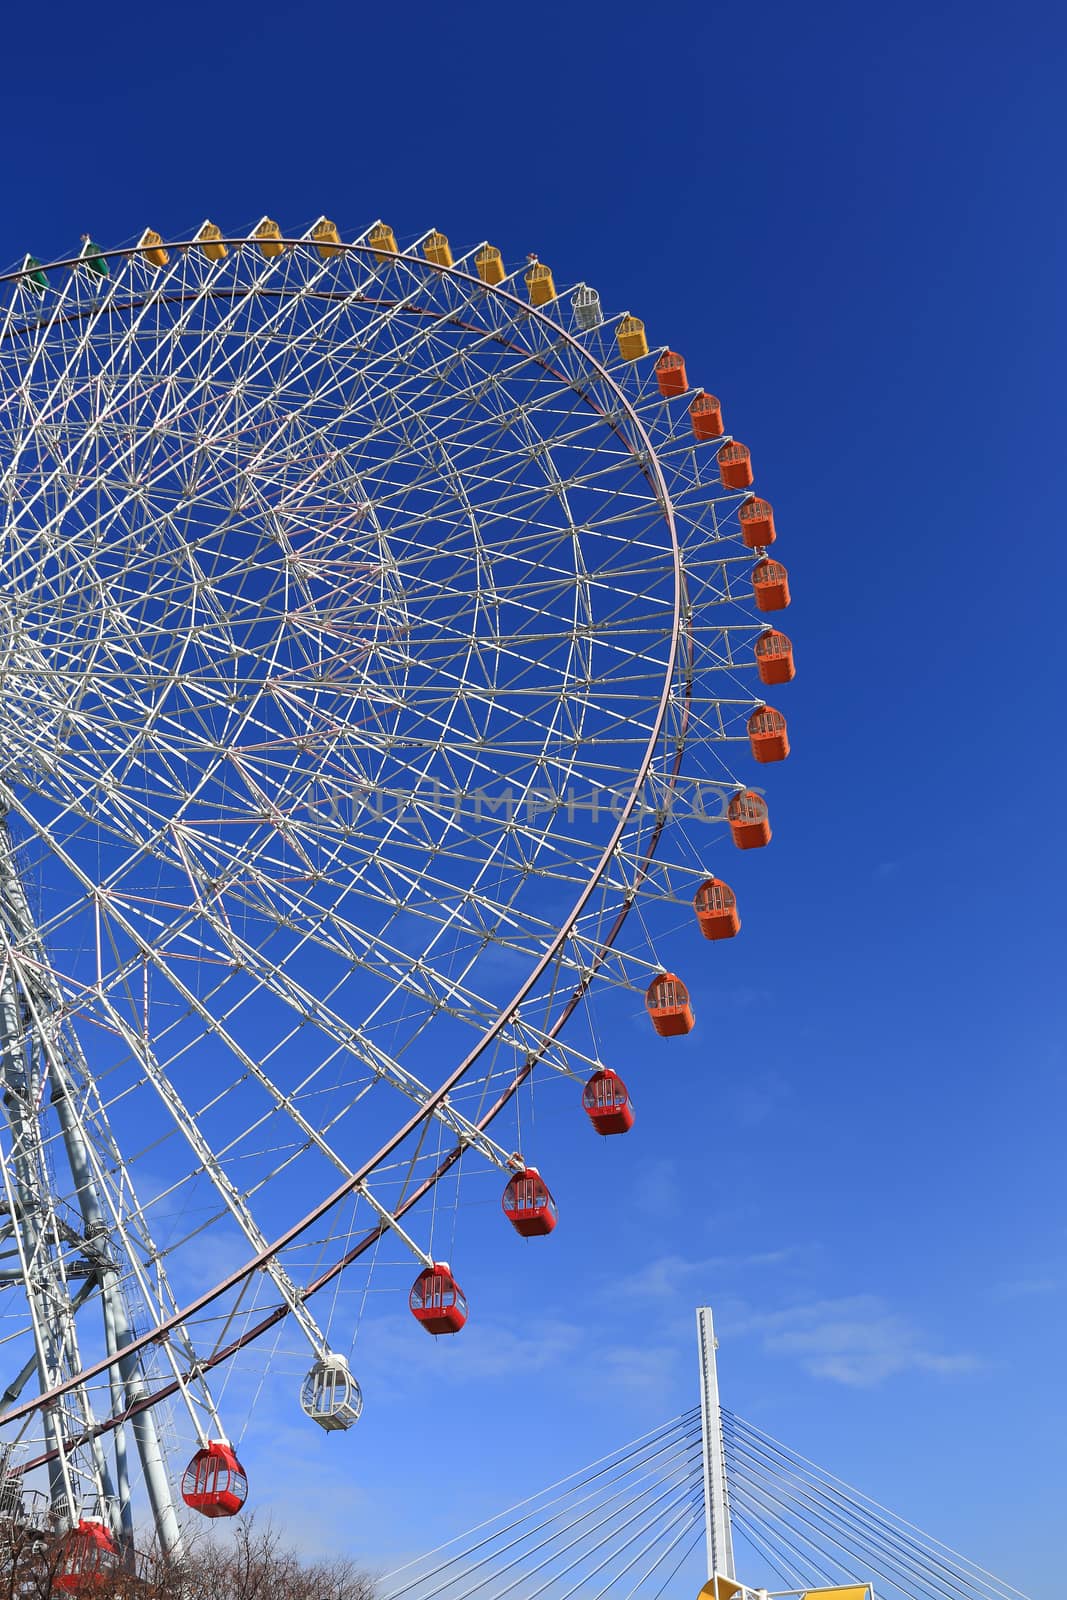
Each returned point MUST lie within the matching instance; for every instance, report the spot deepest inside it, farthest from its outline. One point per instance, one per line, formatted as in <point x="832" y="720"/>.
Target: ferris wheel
<point x="379" y="634"/>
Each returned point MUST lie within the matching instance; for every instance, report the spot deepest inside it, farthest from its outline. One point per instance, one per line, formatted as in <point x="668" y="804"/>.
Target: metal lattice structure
<point x="366" y="619"/>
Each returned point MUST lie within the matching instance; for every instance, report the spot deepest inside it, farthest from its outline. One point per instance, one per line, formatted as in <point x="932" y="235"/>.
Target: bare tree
<point x="255" y="1565"/>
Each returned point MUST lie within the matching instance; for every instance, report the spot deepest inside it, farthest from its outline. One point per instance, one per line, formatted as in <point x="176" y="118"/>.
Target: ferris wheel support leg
<point x="117" y="1329"/>
<point x="21" y="1015"/>
<point x="45" y="1294"/>
<point x="716" y="1493"/>
<point x="122" y="1465"/>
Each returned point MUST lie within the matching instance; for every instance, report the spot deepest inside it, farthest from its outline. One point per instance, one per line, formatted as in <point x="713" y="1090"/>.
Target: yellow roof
<point x="720" y="1588"/>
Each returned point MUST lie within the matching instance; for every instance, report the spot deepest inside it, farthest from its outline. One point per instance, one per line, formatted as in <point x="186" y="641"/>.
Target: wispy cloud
<point x="485" y="1352"/>
<point x="493" y="1356"/>
<point x="759" y="1096"/>
<point x="657" y="1190"/>
<point x="1024" y="1288"/>
<point x="646" y="1372"/>
<point x="671" y="1277"/>
<point x="858" y="1341"/>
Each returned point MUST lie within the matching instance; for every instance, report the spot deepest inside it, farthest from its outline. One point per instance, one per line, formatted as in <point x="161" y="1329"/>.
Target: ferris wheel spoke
<point x="354" y="1043"/>
<point x="227" y="1191"/>
<point x="191" y="312"/>
<point x="333" y="1026"/>
<point x="142" y="1052"/>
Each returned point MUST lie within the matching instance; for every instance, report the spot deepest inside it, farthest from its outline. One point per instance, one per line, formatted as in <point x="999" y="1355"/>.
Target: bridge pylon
<point x="716" y="1489"/>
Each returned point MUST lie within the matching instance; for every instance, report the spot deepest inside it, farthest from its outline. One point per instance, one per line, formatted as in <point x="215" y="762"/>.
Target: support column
<point x="716" y="1494"/>
<point x="61" y="1062"/>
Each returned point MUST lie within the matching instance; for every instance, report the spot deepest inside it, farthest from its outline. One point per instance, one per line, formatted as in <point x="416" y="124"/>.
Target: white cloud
<point x="392" y="1349"/>
<point x="858" y="1341"/>
<point x="1023" y="1288"/>
<point x="759" y="1096"/>
<point x="672" y="1276"/>
<point x="657" y="1191"/>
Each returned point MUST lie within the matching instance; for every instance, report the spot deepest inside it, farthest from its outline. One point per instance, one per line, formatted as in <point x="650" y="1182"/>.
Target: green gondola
<point x="33" y="275"/>
<point x="94" y="258"/>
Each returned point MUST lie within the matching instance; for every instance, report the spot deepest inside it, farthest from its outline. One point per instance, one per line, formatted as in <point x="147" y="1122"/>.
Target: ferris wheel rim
<point x="652" y="469"/>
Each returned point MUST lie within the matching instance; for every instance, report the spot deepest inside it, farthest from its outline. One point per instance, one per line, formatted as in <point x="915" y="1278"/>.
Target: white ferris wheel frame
<point x="430" y="1103"/>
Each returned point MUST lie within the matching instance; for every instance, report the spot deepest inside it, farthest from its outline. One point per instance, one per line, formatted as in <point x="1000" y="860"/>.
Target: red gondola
<point x="757" y="523"/>
<point x="528" y="1204"/>
<point x="748" y="819"/>
<point x="671" y="375"/>
<point x="705" y="417"/>
<point x="774" y="657"/>
<point x="607" y="1103"/>
<point x="86" y="1560"/>
<point x="667" y="1002"/>
<point x="768" y="735"/>
<point x="770" y="585"/>
<point x="437" y="1301"/>
<point x="735" y="466"/>
<point x="716" y="907"/>
<point x="214" y="1482"/>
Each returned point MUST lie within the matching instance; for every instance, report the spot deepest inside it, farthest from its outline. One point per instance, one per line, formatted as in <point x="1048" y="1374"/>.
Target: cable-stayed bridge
<point x="626" y="1527"/>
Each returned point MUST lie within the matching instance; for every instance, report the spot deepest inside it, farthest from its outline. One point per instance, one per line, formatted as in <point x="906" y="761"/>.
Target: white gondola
<point x="330" y="1395"/>
<point x="587" y="312"/>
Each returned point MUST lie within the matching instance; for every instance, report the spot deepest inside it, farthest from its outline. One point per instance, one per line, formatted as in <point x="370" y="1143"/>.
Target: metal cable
<point x="696" y="1521"/>
<point x="856" y="1526"/>
<point x="524" y="1537"/>
<point x="686" y="1553"/>
<point x="680" y="1428"/>
<point x="787" y="1573"/>
<point x="579" y="1478"/>
<point x="653" y="1507"/>
<point x="890" y="1519"/>
<point x="678" y="1509"/>
<point x="761" y="1504"/>
<point x="762" y="1500"/>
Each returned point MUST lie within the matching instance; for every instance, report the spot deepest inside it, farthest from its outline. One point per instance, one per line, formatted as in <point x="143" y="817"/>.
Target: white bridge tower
<point x="716" y="1492"/>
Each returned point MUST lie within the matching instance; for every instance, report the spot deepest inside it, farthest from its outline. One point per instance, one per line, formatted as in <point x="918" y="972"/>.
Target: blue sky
<point x="851" y="223"/>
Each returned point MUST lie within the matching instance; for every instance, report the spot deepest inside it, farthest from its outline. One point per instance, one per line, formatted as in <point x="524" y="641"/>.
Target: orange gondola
<point x="735" y="466"/>
<point x="87" y="1559"/>
<point x="437" y="1301"/>
<point x="214" y="1482"/>
<point x="705" y="417"/>
<point x="667" y="1002"/>
<point x="671" y="374"/>
<point x="756" y="517"/>
<point x="716" y="907"/>
<point x="770" y="585"/>
<point x="749" y="823"/>
<point x="767" y="734"/>
<point x="528" y="1204"/>
<point x="607" y="1104"/>
<point x="774" y="657"/>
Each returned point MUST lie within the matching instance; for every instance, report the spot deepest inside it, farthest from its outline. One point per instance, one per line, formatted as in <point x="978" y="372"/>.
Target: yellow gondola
<point x="539" y="284"/>
<point x="630" y="337"/>
<point x="382" y="241"/>
<point x="268" y="237"/>
<point x="151" y="246"/>
<point x="437" y="250"/>
<point x="326" y="237"/>
<point x="209" y="238"/>
<point x="490" y="264"/>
